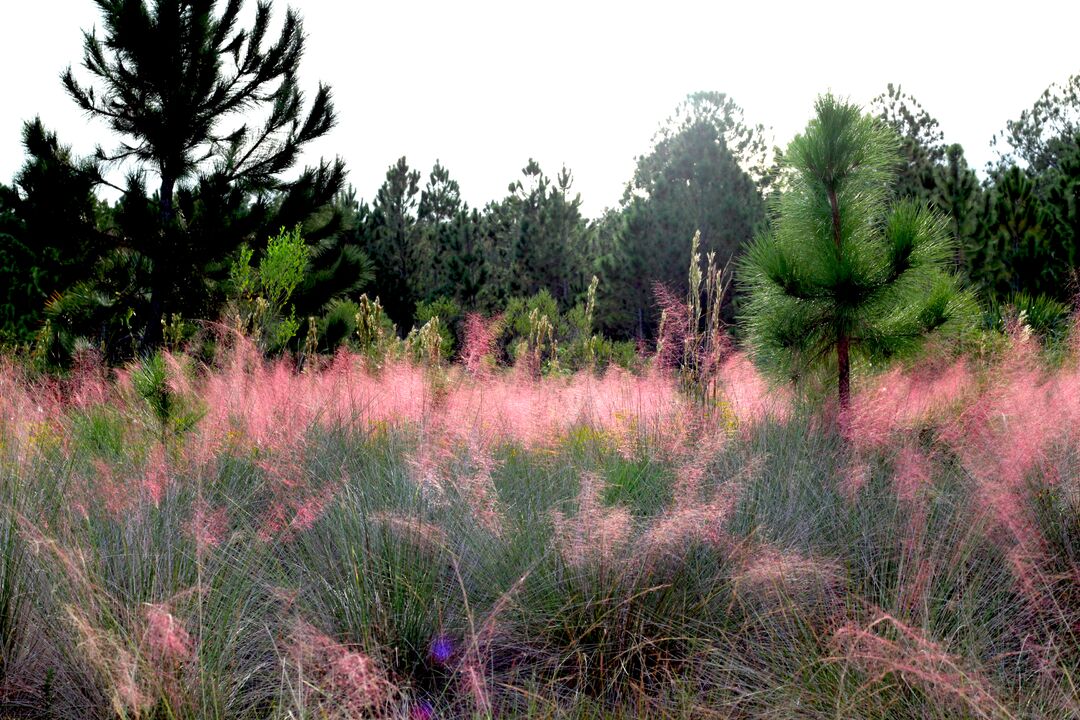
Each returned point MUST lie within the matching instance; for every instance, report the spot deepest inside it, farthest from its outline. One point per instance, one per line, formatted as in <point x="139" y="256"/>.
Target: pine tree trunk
<point x="843" y="343"/>
<point x="843" y="372"/>
<point x="159" y="276"/>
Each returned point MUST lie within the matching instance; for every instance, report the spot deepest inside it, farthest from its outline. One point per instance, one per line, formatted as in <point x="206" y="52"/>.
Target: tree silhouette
<point x="178" y="83"/>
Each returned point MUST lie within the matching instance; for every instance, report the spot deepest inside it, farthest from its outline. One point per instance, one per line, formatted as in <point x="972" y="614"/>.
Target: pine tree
<point x="174" y="80"/>
<point x="1014" y="253"/>
<point x="393" y="237"/>
<point x="922" y="143"/>
<point x="49" y="232"/>
<point x="957" y="193"/>
<point x="440" y="204"/>
<point x="841" y="272"/>
<point x="705" y="173"/>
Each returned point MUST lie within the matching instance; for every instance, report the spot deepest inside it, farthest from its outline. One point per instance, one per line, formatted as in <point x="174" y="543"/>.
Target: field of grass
<point x="248" y="541"/>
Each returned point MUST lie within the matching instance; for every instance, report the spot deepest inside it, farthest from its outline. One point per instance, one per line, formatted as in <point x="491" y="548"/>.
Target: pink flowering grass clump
<point x="913" y="474"/>
<point x="465" y="539"/>
<point x="770" y="576"/>
<point x="903" y="400"/>
<point x="339" y="680"/>
<point x="273" y="407"/>
<point x="595" y="535"/>
<point x="697" y="515"/>
<point x="886" y="646"/>
<point x="479" y="346"/>
<point x="166" y="640"/>
<point x="208" y="526"/>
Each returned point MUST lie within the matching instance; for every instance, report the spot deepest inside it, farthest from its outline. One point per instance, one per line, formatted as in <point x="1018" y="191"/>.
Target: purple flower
<point x="422" y="711"/>
<point x="442" y="647"/>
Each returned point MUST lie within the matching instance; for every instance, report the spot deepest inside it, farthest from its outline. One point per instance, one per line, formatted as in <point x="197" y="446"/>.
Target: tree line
<point x="209" y="122"/>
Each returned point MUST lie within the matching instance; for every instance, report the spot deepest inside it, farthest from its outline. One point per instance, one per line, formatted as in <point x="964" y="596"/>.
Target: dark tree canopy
<point x="169" y="78"/>
<point x="706" y="173"/>
<point x="49" y="231"/>
<point x="180" y="84"/>
<point x="922" y="145"/>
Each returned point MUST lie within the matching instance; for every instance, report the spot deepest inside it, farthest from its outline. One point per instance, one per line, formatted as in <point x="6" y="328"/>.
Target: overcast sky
<point x="484" y="86"/>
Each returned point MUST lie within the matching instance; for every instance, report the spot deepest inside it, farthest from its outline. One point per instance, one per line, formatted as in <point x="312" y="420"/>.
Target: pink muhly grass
<point x="1006" y="439"/>
<point x="442" y="467"/>
<point x="915" y="586"/>
<point x="103" y="651"/>
<point x="87" y="383"/>
<point x="130" y="661"/>
<point x="693" y="519"/>
<point x="288" y="516"/>
<point x="674" y="532"/>
<point x="30" y="413"/>
<point x="274" y="524"/>
<point x="179" y="374"/>
<point x="155" y="480"/>
<point x="165" y="640"/>
<point x="207" y="527"/>
<point x="112" y="662"/>
<point x="749" y="395"/>
<point x="271" y="407"/>
<point x="887" y="646"/>
<point x="425" y="469"/>
<point x="675" y="329"/>
<point x="912" y="475"/>
<point x="479" y="488"/>
<point x="904" y="400"/>
<point x="297" y="503"/>
<point x="476" y="687"/>
<point x="312" y="508"/>
<point x="478" y="348"/>
<point x="769" y="574"/>
<point x="105" y="490"/>
<point x="692" y="461"/>
<point x="426" y="535"/>
<point x="72" y="561"/>
<point x="268" y="403"/>
<point x="595" y="534"/>
<point x="853" y="478"/>
<point x="344" y="681"/>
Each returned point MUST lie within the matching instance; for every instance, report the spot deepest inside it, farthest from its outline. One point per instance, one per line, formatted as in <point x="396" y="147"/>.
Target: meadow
<point x="406" y="540"/>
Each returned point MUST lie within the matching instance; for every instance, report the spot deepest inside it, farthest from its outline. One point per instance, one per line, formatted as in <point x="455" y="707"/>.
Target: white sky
<point x="483" y="86"/>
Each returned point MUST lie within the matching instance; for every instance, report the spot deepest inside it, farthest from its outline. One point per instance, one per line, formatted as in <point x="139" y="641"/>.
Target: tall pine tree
<point x="176" y="81"/>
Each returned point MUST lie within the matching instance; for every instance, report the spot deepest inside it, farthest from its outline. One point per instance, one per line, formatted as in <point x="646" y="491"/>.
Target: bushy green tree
<point x="262" y="294"/>
<point x="535" y="239"/>
<point x="933" y="172"/>
<point x="706" y="172"/>
<point x="1061" y="188"/>
<point x="1012" y="254"/>
<point x="1043" y="132"/>
<point x="437" y="213"/>
<point x="1029" y="233"/>
<point x="50" y="231"/>
<point x="958" y="194"/>
<point x="842" y="271"/>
